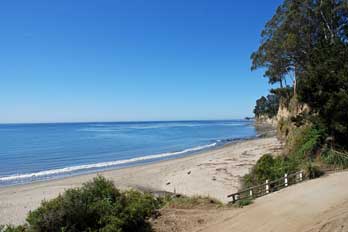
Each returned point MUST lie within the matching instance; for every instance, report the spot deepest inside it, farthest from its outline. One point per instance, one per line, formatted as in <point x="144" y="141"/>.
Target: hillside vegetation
<point x="306" y="43"/>
<point x="96" y="206"/>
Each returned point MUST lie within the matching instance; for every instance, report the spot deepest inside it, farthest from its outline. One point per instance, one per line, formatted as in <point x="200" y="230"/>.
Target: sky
<point x="129" y="60"/>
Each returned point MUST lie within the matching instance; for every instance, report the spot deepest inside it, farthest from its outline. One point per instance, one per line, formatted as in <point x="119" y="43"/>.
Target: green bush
<point x="244" y="202"/>
<point x="307" y="142"/>
<point x="96" y="206"/>
<point x="335" y="158"/>
<point x="10" y="228"/>
<point x="312" y="171"/>
<point x="269" y="168"/>
<point x="304" y="148"/>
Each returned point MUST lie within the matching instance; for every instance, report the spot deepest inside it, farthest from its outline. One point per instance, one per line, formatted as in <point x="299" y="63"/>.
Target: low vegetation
<point x="244" y="202"/>
<point x="268" y="168"/>
<point x="302" y="156"/>
<point x="96" y="206"/>
<point x="184" y="202"/>
<point x="336" y="159"/>
<point x="99" y="206"/>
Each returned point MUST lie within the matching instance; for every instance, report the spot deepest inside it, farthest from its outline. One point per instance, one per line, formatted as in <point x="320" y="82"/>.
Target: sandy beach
<point x="214" y="173"/>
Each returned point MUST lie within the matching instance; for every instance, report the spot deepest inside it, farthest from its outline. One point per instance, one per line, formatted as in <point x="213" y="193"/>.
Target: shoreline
<point x="58" y="174"/>
<point x="136" y="164"/>
<point x="115" y="168"/>
<point x="215" y="173"/>
<point x="139" y="164"/>
<point x="127" y="163"/>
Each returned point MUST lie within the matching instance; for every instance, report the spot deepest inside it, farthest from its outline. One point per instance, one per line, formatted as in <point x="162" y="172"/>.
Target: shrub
<point x="10" y="228"/>
<point x="307" y="142"/>
<point x="304" y="146"/>
<point x="269" y="168"/>
<point x="244" y="202"/>
<point x="138" y="206"/>
<point x="312" y="171"/>
<point x="96" y="206"/>
<point x="335" y="158"/>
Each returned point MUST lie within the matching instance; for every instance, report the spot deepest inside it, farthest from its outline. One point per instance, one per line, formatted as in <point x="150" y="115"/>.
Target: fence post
<point x="300" y="176"/>
<point x="286" y="180"/>
<point x="251" y="193"/>
<point x="267" y="187"/>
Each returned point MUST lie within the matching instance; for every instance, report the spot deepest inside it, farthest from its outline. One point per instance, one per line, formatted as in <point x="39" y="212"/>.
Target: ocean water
<point x="34" y="152"/>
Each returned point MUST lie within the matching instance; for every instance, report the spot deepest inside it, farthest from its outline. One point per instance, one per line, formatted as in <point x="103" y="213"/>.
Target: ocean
<point x="36" y="152"/>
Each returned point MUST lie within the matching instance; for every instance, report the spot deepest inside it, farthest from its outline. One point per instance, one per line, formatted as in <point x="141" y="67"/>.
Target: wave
<point x="111" y="128"/>
<point x="101" y="165"/>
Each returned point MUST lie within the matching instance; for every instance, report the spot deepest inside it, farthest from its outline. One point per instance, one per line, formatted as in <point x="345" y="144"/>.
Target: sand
<point x="312" y="206"/>
<point x="319" y="205"/>
<point x="214" y="173"/>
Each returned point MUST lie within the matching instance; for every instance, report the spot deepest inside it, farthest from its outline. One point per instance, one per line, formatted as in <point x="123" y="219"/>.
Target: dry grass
<point x="195" y="202"/>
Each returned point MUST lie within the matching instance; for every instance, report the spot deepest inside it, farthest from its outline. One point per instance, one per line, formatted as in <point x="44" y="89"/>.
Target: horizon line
<point x="122" y="121"/>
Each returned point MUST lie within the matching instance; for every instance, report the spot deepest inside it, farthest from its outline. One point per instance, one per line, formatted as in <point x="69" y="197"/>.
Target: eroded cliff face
<point x="264" y="119"/>
<point x="282" y="121"/>
<point x="284" y="115"/>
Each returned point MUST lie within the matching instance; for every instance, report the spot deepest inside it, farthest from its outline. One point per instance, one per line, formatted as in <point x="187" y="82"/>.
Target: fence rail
<point x="267" y="187"/>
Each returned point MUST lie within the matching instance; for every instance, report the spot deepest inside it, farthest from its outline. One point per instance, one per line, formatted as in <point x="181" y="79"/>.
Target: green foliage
<point x="96" y="206"/>
<point x="10" y="228"/>
<point x="284" y="94"/>
<point x="294" y="31"/>
<point x="138" y="206"/>
<point x="308" y="40"/>
<point x="269" y="168"/>
<point x="324" y="88"/>
<point x="308" y="142"/>
<point x="244" y="202"/>
<point x="267" y="106"/>
<point x="312" y="171"/>
<point x="335" y="158"/>
<point x="304" y="148"/>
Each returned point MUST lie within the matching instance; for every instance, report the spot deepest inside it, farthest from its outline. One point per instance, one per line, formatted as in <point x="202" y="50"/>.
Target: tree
<point x="324" y="87"/>
<point x="294" y="31"/>
<point x="267" y="106"/>
<point x="309" y="38"/>
<point x="282" y="43"/>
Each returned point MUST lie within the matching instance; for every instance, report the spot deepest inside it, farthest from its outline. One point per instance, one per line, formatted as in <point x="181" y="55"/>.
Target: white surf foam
<point x="100" y="165"/>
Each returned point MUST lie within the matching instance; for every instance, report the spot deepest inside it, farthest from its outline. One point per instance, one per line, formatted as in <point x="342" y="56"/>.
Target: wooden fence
<point x="267" y="187"/>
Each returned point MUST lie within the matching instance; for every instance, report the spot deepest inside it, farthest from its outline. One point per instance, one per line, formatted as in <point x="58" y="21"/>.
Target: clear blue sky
<point x="115" y="60"/>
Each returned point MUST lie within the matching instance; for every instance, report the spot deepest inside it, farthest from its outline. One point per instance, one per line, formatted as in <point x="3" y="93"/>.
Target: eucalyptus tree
<point x="309" y="38"/>
<point x="294" y="31"/>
